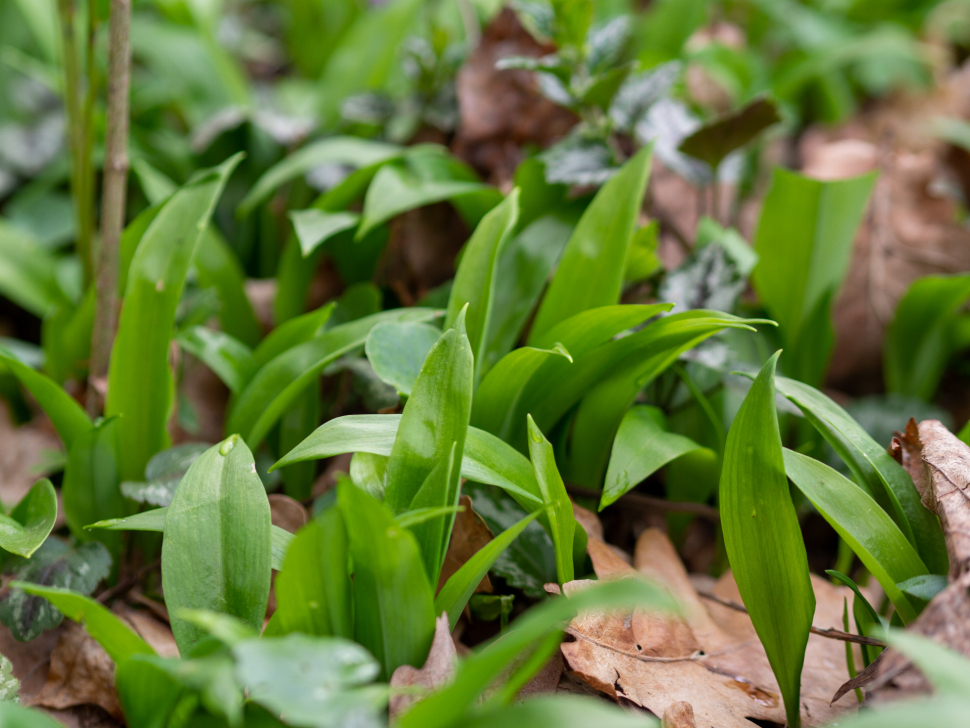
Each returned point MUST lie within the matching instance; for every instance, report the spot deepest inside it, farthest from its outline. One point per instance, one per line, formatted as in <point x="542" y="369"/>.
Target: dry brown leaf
<point x="679" y="715"/>
<point x="157" y="634"/>
<point x="287" y="513"/>
<point x="709" y="657"/>
<point x="23" y="448"/>
<point x="438" y="669"/>
<point x="589" y="521"/>
<point x="545" y="681"/>
<point x="81" y="673"/>
<point x="29" y="659"/>
<point x="468" y="535"/>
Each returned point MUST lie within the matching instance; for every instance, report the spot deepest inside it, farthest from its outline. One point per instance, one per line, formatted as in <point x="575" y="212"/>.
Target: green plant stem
<point x="112" y="196"/>
<point x="703" y="403"/>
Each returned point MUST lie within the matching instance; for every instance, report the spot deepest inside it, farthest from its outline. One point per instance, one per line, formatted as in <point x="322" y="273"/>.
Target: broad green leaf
<point x="15" y="716"/>
<point x="924" y="587"/>
<point x="642" y="446"/>
<point x="278" y="384"/>
<point x="163" y="474"/>
<point x="562" y="711"/>
<point x="27" y="271"/>
<point x="804" y="242"/>
<point x="219" y="268"/>
<point x="434" y="420"/>
<point x="116" y="637"/>
<point x="216" y="551"/>
<point x="91" y="488"/>
<point x="293" y="332"/>
<point x="394" y="616"/>
<point x="155" y="282"/>
<point x="860" y="521"/>
<point x="295" y="425"/>
<point x="367" y="471"/>
<point x="333" y="150"/>
<point x="715" y="140"/>
<point x="946" y="669"/>
<point x="397" y="350"/>
<point x="874" y="470"/>
<point x="449" y="706"/>
<point x="936" y="711"/>
<point x="230" y="359"/>
<point x="763" y="540"/>
<point x="487" y="459"/>
<point x="30" y="522"/>
<point x="590" y="273"/>
<point x="454" y="595"/>
<point x="431" y="515"/>
<point x="313" y="589"/>
<point x="315" y="227"/>
<point x="316" y="682"/>
<point x="54" y="564"/>
<point x="147" y="693"/>
<point x="67" y="416"/>
<point x="559" y="509"/>
<point x="919" y="340"/>
<point x="475" y="282"/>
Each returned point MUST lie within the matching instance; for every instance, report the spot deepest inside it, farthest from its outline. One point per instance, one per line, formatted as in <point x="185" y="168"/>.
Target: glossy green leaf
<point x="54" y="564"/>
<point x="27" y="271"/>
<point x="642" y="446"/>
<point x="431" y="515"/>
<point x="116" y="637"/>
<point x="860" y="521"/>
<point x="91" y="489"/>
<point x="919" y="341"/>
<point x="333" y="150"/>
<point x="230" y="359"/>
<point x="280" y="382"/>
<point x="313" y="590"/>
<point x="559" y="508"/>
<point x="147" y="693"/>
<point x="804" y="242"/>
<point x="397" y="350"/>
<point x="315" y="227"/>
<point x="394" y="616"/>
<point x="874" y="470"/>
<point x="924" y="587"/>
<point x="293" y="332"/>
<point x="15" y="716"/>
<point x="219" y="268"/>
<point x="718" y="138"/>
<point x="155" y="282"/>
<point x="590" y="273"/>
<point x="30" y="522"/>
<point x="475" y="281"/>
<point x="67" y="416"/>
<point x="456" y="592"/>
<point x="216" y="551"/>
<point x="763" y="540"/>
<point x="562" y="711"/>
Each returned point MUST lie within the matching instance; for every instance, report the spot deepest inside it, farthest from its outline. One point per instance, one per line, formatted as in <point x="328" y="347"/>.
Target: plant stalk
<point x="114" y="188"/>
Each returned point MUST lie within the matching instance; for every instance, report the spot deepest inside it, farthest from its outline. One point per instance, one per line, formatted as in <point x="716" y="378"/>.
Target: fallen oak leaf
<point x="438" y="669"/>
<point x="469" y="534"/>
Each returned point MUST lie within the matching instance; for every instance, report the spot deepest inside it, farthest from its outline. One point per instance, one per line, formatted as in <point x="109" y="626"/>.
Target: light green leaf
<point x="642" y="446"/>
<point x="154" y="286"/>
<point x="216" y="551"/>
<point x="431" y="515"/>
<point x="219" y="267"/>
<point x="804" y="242"/>
<point x="936" y="711"/>
<point x="397" y="350"/>
<point x="230" y="359"/>
<point x="860" y="521"/>
<point x="924" y="587"/>
<point x="31" y="521"/>
<point x="148" y="693"/>
<point x="559" y="509"/>
<point x="315" y="227"/>
<point x="292" y="332"/>
<point x="14" y="716"/>
<point x="763" y="540"/>
<point x="27" y="271"/>
<point x="91" y="489"/>
<point x="590" y="273"/>
<point x="562" y="711"/>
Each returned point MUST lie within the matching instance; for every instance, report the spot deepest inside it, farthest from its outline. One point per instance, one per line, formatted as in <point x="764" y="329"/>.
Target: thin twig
<point x="112" y="197"/>
<point x="650" y="503"/>
<point x="832" y="634"/>
<point x="127" y="583"/>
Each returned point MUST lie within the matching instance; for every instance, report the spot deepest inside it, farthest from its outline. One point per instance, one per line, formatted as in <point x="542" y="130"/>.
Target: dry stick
<point x="112" y="196"/>
<point x="649" y="502"/>
<point x="123" y="586"/>
<point x="832" y="634"/>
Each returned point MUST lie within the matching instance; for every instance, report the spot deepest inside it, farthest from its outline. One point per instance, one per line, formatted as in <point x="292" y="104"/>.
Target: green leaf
<point x="456" y="592"/>
<point x="282" y="380"/>
<point x="431" y="515"/>
<point x="313" y="589"/>
<point x="642" y="446"/>
<point x="804" y="242"/>
<point x="27" y="272"/>
<point x="155" y="282"/>
<point x="397" y="350"/>
<point x="219" y="268"/>
<point x="919" y="340"/>
<point x="475" y="282"/>
<point x="924" y="587"/>
<point x="67" y="416"/>
<point x="394" y="616"/>
<point x="874" y="470"/>
<point x="317" y="682"/>
<point x="718" y="138"/>
<point x="90" y="488"/>
<point x="14" y="716"/>
<point x="54" y="564"/>
<point x="946" y="669"/>
<point x="147" y="693"/>
<point x="763" y="540"/>
<point x="116" y="637"/>
<point x="216" y="551"/>
<point x="31" y="521"/>
<point x="315" y="227"/>
<point x="590" y="273"/>
<point x="163" y="474"/>
<point x="293" y="332"/>
<point x="230" y="359"/>
<point x="860" y="521"/>
<point x="334" y="150"/>
<point x="562" y="711"/>
<point x="867" y="620"/>
<point x="559" y="509"/>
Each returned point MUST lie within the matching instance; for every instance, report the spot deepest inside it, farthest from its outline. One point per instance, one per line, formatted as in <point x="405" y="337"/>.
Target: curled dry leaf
<point x="468" y="535"/>
<point x="287" y="513"/>
<point x="589" y="521"/>
<point x="438" y="669"/>
<point x="708" y="657"/>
